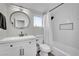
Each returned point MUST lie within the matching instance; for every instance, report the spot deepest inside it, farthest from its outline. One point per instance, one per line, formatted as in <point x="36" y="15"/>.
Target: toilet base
<point x="43" y="54"/>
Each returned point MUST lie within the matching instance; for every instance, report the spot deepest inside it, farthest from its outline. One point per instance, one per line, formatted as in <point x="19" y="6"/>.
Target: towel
<point x="2" y="21"/>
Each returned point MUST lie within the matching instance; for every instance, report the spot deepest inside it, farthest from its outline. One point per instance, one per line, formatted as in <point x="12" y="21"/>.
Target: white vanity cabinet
<point x="19" y="48"/>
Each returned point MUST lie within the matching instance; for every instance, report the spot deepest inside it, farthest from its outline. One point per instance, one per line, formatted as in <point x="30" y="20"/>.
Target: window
<point x="38" y="21"/>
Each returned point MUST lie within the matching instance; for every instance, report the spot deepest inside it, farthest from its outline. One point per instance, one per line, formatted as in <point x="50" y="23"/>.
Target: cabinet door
<point x="30" y="48"/>
<point x="14" y="51"/>
<point x="17" y="49"/>
<point x="4" y="49"/>
<point x="8" y="50"/>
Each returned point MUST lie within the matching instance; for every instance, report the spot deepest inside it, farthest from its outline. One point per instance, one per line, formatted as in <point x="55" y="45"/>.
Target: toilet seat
<point x="45" y="48"/>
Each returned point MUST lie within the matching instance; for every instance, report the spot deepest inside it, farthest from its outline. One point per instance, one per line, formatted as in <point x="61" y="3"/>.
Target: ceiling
<point x="40" y="7"/>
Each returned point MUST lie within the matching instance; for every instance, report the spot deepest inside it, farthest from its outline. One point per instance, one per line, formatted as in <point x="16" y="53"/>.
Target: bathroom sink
<point x="18" y="38"/>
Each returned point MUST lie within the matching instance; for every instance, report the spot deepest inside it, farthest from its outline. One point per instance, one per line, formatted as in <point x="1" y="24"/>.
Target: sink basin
<point x="18" y="38"/>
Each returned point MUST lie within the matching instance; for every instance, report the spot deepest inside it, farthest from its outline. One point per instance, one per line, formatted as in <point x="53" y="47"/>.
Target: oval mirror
<point x="19" y="19"/>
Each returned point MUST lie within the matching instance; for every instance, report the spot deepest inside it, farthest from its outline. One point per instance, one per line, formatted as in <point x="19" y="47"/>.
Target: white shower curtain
<point x="48" y="36"/>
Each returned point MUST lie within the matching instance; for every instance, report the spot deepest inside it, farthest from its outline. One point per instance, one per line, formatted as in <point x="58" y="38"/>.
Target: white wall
<point x="66" y="40"/>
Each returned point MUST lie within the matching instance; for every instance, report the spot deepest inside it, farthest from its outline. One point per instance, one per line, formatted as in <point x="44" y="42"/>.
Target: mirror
<point x="19" y="19"/>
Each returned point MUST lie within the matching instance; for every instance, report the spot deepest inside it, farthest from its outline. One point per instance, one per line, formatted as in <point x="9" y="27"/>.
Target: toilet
<point x="42" y="48"/>
<point x="45" y="49"/>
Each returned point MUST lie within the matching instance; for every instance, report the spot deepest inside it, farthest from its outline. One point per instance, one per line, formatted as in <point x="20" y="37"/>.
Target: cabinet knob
<point x="36" y="39"/>
<point x="29" y="42"/>
<point x="11" y="45"/>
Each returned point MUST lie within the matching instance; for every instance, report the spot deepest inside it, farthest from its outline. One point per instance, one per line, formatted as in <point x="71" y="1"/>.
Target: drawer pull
<point x="21" y="52"/>
<point x="11" y="45"/>
<point x="36" y="39"/>
<point x="29" y="42"/>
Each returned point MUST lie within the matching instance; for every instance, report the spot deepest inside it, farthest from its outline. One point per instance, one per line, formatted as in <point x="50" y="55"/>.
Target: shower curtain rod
<point x="56" y="7"/>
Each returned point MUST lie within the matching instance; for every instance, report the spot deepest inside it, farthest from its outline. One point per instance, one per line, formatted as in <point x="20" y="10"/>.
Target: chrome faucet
<point x="21" y="34"/>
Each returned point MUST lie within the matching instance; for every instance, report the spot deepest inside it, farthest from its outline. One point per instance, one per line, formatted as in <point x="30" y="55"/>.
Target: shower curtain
<point x="48" y="33"/>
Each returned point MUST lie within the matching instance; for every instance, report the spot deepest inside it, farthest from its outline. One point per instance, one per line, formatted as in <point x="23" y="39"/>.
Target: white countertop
<point x="15" y="39"/>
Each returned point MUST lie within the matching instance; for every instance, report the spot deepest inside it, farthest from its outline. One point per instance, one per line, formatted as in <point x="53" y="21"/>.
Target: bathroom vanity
<point x="18" y="46"/>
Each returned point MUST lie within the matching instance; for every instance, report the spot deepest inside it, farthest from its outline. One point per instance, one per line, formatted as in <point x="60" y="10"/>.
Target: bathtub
<point x="60" y="49"/>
